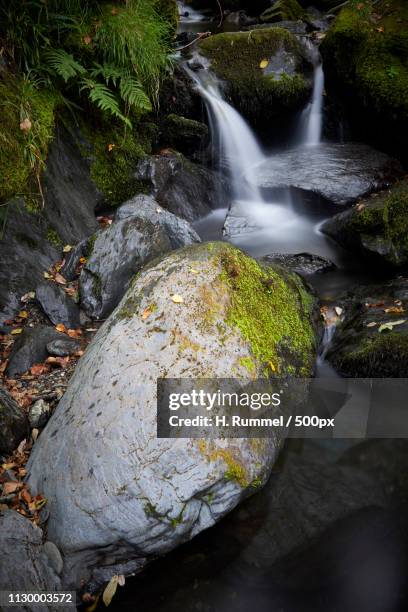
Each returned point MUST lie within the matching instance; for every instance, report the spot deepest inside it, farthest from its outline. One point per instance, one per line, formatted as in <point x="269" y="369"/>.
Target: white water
<point x="312" y="117"/>
<point x="238" y="149"/>
<point x="188" y="14"/>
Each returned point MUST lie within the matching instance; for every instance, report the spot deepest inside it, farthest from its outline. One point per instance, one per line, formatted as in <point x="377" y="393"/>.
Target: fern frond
<point x="109" y="72"/>
<point x="104" y="98"/>
<point x="63" y="64"/>
<point x="132" y="92"/>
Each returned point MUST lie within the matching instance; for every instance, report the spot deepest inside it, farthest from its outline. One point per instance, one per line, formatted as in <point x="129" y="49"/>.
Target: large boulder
<point x="364" y="55"/>
<point x="57" y="305"/>
<point x="372" y="340"/>
<point x="25" y="254"/>
<point x="341" y="173"/>
<point x="28" y="565"/>
<point x="13" y="423"/>
<point x="118" y="495"/>
<point x="142" y="231"/>
<point x="188" y="190"/>
<point x="183" y="134"/>
<point x="266" y="72"/>
<point x="376" y="227"/>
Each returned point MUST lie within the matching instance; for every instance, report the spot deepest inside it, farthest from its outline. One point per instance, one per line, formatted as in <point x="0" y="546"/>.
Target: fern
<point x="109" y="72"/>
<point x="63" y="64"/>
<point x="104" y="99"/>
<point x="133" y="94"/>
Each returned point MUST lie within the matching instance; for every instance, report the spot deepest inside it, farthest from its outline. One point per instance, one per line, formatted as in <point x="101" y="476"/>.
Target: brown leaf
<point x="25" y="496"/>
<point x="110" y="590"/>
<point x="146" y="313"/>
<point x="60" y="279"/>
<point x="61" y="328"/>
<point x="39" y="368"/>
<point x="11" y="487"/>
<point x="58" y="361"/>
<point x="74" y="333"/>
<point x="394" y="309"/>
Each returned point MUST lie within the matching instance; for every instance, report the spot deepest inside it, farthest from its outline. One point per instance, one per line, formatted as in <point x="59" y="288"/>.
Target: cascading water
<point x="238" y="149"/>
<point x="312" y="117"/>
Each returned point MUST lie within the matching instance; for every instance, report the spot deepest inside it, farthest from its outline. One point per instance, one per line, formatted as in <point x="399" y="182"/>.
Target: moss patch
<point x="273" y="314"/>
<point x="283" y="10"/>
<point x="22" y="153"/>
<point x="366" y="55"/>
<point x="258" y="93"/>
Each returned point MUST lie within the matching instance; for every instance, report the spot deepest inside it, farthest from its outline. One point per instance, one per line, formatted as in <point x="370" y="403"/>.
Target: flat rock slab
<point x="341" y="173"/>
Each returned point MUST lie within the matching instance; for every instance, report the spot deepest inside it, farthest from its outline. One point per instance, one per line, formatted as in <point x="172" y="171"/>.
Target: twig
<point x="199" y="37"/>
<point x="221" y="13"/>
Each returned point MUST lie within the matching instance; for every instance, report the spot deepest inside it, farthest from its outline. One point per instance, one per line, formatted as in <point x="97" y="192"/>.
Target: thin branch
<point x="199" y="37"/>
<point x="221" y="13"/>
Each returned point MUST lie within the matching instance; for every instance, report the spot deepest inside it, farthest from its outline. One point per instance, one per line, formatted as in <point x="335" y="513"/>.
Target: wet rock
<point x="28" y="568"/>
<point x="142" y="231"/>
<point x="376" y="227"/>
<point x="295" y="27"/>
<point x="341" y="173"/>
<point x="359" y="348"/>
<point x="13" y="423"/>
<point x="185" y="135"/>
<point x="61" y="347"/>
<point x="283" y="10"/>
<point x="188" y="190"/>
<point x="261" y="94"/>
<point x="39" y="414"/>
<point x="57" y="305"/>
<point x="302" y="263"/>
<point x="69" y="192"/>
<point x="72" y="258"/>
<point x="24" y="255"/>
<point x="30" y="348"/>
<point x="161" y="492"/>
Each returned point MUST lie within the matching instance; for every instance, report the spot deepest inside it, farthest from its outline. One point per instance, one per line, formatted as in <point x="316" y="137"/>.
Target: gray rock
<point x="61" y="347"/>
<point x="158" y="492"/>
<point x="72" y="258"/>
<point x="341" y="173"/>
<point x="358" y="348"/>
<point x="302" y="263"/>
<point x="186" y="189"/>
<point x="54" y="557"/>
<point x="26" y="567"/>
<point x="143" y="230"/>
<point x="69" y="192"/>
<point x="24" y="255"/>
<point x="13" y="423"/>
<point x="295" y="27"/>
<point x="57" y="305"/>
<point x="30" y="348"/>
<point x="39" y="414"/>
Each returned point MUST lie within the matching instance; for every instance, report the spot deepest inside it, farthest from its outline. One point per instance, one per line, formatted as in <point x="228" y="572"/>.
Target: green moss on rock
<point x="185" y="135"/>
<point x="273" y="314"/>
<point x="283" y="10"/>
<point x="365" y="55"/>
<point x="262" y="70"/>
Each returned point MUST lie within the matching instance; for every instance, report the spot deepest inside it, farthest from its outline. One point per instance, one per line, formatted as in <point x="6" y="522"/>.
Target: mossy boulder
<point x="283" y="10"/>
<point x="233" y="319"/>
<point x="372" y="340"/>
<point x="376" y="227"/>
<point x="365" y="59"/>
<point x="265" y="71"/>
<point x="185" y="135"/>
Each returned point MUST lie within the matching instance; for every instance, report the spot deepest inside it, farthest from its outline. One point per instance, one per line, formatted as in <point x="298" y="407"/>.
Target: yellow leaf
<point x="23" y="314"/>
<point x="61" y="327"/>
<point x="264" y="63"/>
<point x="110" y="590"/>
<point x="67" y="248"/>
<point x="272" y="366"/>
<point x="82" y="260"/>
<point x="177" y="299"/>
<point x="146" y="313"/>
<point x="47" y="275"/>
<point x="16" y="331"/>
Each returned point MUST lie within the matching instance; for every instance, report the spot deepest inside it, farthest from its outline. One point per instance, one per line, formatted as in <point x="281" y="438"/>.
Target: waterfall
<point x="312" y="116"/>
<point x="188" y="14"/>
<point x="238" y="148"/>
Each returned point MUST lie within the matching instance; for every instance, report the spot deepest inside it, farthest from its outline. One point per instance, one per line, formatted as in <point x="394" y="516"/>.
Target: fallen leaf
<point x="82" y="260"/>
<point x="380" y="29"/>
<point x="61" y="328"/>
<point x="25" y="125"/>
<point x="11" y="487"/>
<point x="17" y="330"/>
<point x="67" y="248"/>
<point x="111" y="147"/>
<point x="374" y="305"/>
<point x="39" y="368"/>
<point x="74" y="333"/>
<point x="389" y="325"/>
<point x="23" y="314"/>
<point x="146" y="313"/>
<point x="394" y="310"/>
<point x="271" y="366"/>
<point x="21" y="446"/>
<point x="25" y="495"/>
<point x="47" y="275"/>
<point x="121" y="580"/>
<point x="110" y="590"/>
<point x="372" y="324"/>
<point x="264" y="63"/>
<point x="8" y="466"/>
<point x="177" y="299"/>
<point x="60" y="279"/>
<point x="59" y="361"/>
<point x="28" y="296"/>
<point x="193" y="271"/>
<point x="34" y="434"/>
<point x="338" y="311"/>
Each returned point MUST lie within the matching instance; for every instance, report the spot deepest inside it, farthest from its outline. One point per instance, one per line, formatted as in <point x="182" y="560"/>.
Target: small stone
<point x="54" y="556"/>
<point x="39" y="414"/>
<point x="63" y="347"/>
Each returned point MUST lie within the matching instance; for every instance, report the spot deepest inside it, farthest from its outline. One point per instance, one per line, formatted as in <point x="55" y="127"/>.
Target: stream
<point x="237" y="565"/>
